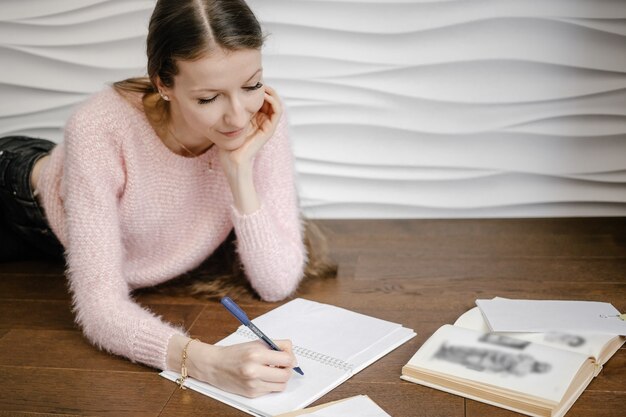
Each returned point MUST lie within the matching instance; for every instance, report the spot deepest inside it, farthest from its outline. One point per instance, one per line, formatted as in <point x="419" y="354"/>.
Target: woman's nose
<point x="236" y="115"/>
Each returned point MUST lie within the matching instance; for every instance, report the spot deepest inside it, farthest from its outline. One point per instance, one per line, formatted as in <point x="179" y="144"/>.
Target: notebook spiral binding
<point x="304" y="352"/>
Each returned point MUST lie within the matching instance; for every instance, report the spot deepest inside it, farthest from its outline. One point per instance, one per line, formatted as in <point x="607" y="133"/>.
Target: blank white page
<point x="505" y="315"/>
<point x="323" y="328"/>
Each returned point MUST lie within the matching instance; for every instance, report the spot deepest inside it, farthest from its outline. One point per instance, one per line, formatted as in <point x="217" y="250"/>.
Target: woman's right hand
<point x="250" y="369"/>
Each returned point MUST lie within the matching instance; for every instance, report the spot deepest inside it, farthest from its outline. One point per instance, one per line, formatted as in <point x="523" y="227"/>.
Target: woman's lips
<point x="233" y="133"/>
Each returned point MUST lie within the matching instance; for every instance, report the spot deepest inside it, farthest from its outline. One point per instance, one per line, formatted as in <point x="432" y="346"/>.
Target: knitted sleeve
<point x="269" y="240"/>
<point x="93" y="180"/>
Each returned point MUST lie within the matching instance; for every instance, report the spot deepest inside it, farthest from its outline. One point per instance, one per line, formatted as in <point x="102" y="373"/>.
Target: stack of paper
<point x="505" y="315"/>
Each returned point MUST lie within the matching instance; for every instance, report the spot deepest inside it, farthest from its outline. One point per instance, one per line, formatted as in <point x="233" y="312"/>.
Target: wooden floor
<point x="421" y="273"/>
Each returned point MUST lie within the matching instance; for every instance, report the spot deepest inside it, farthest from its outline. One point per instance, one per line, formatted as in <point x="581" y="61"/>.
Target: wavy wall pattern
<point x="411" y="108"/>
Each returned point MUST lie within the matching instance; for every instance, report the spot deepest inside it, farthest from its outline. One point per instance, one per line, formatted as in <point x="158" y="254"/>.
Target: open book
<point x="538" y="374"/>
<point x="330" y="343"/>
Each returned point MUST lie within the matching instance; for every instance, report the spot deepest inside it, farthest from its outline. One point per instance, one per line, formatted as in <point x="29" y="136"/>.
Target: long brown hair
<point x="185" y="30"/>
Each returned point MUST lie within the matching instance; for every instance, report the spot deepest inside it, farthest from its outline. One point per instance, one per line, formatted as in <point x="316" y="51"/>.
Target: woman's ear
<point x="162" y="89"/>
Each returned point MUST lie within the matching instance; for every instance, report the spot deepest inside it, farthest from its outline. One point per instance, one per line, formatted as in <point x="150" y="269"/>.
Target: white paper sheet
<point x="506" y="315"/>
<point x="360" y="405"/>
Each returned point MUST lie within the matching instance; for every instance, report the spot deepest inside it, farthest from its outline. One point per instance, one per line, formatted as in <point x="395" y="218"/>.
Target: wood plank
<point x="22" y="414"/>
<point x="36" y="314"/>
<point x="215" y="322"/>
<point x="512" y="237"/>
<point x="34" y="267"/>
<point x="612" y="376"/>
<point x="24" y="346"/>
<point x="181" y="315"/>
<point x="590" y="403"/>
<point x="403" y="265"/>
<point x="610" y="226"/>
<point x="598" y="403"/>
<point x="33" y="349"/>
<point x="33" y="287"/>
<point x="398" y="399"/>
<point x="455" y="296"/>
<point x="91" y="393"/>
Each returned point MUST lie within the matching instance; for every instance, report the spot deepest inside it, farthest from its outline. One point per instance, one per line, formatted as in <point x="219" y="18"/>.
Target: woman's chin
<point x="231" y="144"/>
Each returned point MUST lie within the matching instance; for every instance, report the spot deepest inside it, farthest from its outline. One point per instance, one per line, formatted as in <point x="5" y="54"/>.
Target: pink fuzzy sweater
<point x="131" y="213"/>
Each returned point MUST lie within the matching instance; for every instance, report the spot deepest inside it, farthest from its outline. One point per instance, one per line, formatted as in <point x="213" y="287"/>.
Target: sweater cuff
<point x="254" y="231"/>
<point x="151" y="344"/>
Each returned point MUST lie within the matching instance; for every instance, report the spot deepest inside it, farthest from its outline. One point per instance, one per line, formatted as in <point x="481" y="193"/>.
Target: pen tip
<point x="298" y="370"/>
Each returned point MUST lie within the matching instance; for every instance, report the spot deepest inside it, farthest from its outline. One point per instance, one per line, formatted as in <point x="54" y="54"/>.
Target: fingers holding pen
<point x="263" y="370"/>
<point x="287" y="347"/>
<point x="263" y="365"/>
<point x="249" y="369"/>
<point x="271" y="365"/>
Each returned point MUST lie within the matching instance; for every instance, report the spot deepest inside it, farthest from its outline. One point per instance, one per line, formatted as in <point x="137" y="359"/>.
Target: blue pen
<point x="243" y="318"/>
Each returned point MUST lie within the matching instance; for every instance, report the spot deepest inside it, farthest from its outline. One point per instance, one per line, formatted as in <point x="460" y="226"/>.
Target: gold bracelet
<point x="183" y="368"/>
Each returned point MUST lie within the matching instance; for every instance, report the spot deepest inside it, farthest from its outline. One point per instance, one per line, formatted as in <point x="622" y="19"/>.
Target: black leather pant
<point x="24" y="230"/>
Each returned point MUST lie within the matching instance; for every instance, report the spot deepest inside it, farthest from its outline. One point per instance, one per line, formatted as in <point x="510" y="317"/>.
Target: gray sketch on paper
<point x="491" y="360"/>
<point x="501" y="340"/>
<point x="571" y="340"/>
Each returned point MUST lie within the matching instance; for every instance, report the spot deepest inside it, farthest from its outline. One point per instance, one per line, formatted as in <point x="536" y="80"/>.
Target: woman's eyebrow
<point x="254" y="75"/>
<point x="197" y="90"/>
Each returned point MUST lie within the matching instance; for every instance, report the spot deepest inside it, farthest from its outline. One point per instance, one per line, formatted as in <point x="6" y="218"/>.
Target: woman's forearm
<point x="245" y="197"/>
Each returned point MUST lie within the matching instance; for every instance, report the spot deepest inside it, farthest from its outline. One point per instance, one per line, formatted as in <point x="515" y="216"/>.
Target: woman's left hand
<point x="263" y="126"/>
<point x="237" y="164"/>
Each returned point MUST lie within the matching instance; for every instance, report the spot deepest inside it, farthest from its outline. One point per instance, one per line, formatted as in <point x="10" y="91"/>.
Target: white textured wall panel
<point x="499" y="108"/>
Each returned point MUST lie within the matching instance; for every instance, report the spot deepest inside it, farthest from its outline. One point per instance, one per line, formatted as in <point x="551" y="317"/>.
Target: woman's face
<point x="215" y="97"/>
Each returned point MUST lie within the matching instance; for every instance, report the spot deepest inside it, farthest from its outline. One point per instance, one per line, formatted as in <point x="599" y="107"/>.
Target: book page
<point x="500" y="362"/>
<point x="589" y="344"/>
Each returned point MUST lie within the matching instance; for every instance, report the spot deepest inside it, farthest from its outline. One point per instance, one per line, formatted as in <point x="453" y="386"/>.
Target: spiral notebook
<point x="330" y="343"/>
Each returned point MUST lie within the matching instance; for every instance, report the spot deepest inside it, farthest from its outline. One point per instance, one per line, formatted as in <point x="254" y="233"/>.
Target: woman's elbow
<point x="282" y="288"/>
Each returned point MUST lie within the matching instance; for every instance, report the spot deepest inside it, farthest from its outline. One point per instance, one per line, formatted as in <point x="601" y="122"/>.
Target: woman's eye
<point x="206" y="100"/>
<point x="254" y="87"/>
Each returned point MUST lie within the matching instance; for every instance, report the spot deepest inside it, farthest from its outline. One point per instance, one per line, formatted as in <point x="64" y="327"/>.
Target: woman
<point x="153" y="175"/>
